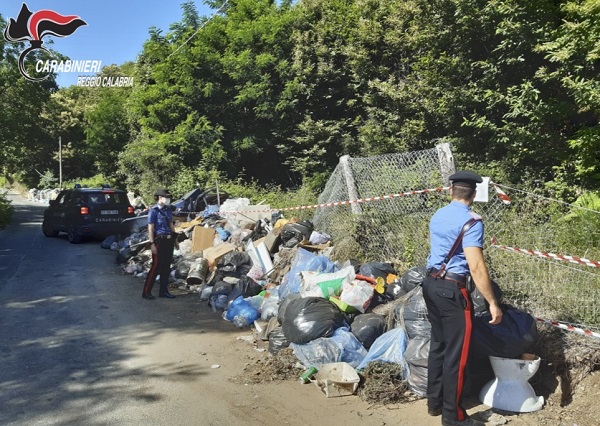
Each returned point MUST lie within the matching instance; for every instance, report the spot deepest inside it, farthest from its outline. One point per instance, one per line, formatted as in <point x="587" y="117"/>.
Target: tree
<point x="573" y="56"/>
<point x="24" y="142"/>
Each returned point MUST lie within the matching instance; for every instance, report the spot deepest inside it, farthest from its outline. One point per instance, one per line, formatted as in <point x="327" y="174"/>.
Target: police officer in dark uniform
<point x="449" y="305"/>
<point x="161" y="233"/>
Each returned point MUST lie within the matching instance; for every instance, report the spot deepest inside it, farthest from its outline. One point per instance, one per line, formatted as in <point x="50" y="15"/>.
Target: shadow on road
<point x="75" y="334"/>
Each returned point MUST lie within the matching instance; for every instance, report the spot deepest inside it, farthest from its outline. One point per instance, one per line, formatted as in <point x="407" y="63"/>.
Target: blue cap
<point x="162" y="192"/>
<point x="465" y="178"/>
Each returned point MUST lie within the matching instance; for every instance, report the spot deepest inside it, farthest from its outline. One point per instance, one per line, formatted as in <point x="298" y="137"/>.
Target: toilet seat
<point x="510" y="390"/>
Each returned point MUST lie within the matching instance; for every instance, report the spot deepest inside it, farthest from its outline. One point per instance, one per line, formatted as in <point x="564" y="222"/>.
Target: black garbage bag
<point x="235" y="264"/>
<point x="414" y="315"/>
<point x="309" y="318"/>
<point x="294" y="233"/>
<point x="245" y="287"/>
<point x="416" y="355"/>
<point x="108" y="241"/>
<point x="480" y="305"/>
<point x="234" y="258"/>
<point x="394" y="290"/>
<point x="515" y="335"/>
<point x="368" y="327"/>
<point x="283" y="304"/>
<point x="376" y="269"/>
<point x="259" y="230"/>
<point x="413" y="277"/>
<point x="124" y="254"/>
<point x="221" y="287"/>
<point x="349" y="317"/>
<point x="379" y="299"/>
<point x="277" y="341"/>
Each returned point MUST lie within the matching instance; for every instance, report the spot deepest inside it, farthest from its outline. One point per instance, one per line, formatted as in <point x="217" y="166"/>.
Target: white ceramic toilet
<point x="510" y="390"/>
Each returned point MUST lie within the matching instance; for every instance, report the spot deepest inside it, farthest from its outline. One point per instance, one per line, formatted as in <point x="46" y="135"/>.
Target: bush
<point x="6" y="210"/>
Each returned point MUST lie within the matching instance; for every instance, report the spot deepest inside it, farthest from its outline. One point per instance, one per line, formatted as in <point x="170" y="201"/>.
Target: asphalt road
<point x="78" y="344"/>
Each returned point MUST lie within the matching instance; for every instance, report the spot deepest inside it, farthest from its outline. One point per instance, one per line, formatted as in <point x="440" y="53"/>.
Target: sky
<point x="116" y="29"/>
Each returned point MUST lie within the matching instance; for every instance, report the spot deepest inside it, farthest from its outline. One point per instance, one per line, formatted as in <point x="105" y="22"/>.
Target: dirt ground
<point x="263" y="369"/>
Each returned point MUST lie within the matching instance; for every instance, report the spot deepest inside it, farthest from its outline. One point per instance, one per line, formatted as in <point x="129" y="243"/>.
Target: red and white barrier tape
<point x="543" y="254"/>
<point x="339" y="203"/>
<point x="501" y="194"/>
<point x="570" y="327"/>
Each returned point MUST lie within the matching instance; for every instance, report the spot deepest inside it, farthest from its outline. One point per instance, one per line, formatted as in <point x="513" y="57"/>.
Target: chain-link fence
<point x="395" y="229"/>
<point x="531" y="234"/>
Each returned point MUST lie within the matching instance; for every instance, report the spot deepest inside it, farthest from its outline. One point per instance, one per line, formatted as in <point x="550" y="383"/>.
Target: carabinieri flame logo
<point x="33" y="27"/>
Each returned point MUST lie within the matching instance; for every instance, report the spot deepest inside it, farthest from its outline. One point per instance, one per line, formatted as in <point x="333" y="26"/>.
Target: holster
<point x="469" y="284"/>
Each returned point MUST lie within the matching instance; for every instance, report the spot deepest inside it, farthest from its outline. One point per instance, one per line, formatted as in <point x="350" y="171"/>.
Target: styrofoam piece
<point x="337" y="379"/>
<point x="510" y="390"/>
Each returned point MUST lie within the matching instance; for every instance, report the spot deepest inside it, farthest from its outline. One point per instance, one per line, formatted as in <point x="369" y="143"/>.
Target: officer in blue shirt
<point x="161" y="233"/>
<point x="449" y="305"/>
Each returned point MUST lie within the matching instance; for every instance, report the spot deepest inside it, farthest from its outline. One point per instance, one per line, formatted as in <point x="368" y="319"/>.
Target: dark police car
<point x="80" y="212"/>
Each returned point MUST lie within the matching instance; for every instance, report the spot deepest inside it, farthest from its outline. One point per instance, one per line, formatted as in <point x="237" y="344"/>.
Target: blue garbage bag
<point x="241" y="312"/>
<point x="389" y="347"/>
<point x="304" y="261"/>
<point x="342" y="346"/>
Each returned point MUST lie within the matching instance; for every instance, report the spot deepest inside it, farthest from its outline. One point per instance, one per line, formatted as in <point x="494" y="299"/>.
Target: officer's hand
<point x="153" y="248"/>
<point x="496" y="313"/>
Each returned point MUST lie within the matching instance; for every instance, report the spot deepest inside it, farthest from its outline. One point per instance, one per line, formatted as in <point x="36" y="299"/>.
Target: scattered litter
<point x="384" y="383"/>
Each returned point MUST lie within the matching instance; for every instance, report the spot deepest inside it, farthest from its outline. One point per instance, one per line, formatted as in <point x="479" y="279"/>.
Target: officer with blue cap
<point x="161" y="233"/>
<point x="454" y="263"/>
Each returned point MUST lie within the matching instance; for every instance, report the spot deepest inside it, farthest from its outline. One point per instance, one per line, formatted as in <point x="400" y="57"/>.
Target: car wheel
<point x="74" y="237"/>
<point x="48" y="230"/>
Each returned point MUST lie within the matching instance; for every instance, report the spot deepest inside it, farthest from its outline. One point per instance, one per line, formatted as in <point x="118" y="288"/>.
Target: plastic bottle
<point x="308" y="375"/>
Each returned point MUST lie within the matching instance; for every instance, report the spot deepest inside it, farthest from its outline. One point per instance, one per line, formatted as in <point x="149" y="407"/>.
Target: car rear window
<point x="105" y="198"/>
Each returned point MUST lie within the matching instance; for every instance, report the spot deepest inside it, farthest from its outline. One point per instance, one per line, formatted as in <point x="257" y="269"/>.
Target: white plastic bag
<point x="325" y="284"/>
<point x="357" y="294"/>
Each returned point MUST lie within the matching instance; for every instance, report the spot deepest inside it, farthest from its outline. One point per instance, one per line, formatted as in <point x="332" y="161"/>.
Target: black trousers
<point x="161" y="265"/>
<point x="450" y="312"/>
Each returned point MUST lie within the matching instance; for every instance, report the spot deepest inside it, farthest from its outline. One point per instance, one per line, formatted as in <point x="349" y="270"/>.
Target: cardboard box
<point x="202" y="238"/>
<point x="214" y="253"/>
<point x="181" y="226"/>
<point x="273" y="240"/>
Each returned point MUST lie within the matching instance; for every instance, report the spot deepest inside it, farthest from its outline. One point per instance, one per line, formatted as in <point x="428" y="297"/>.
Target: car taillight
<point x="84" y="210"/>
<point x="129" y="210"/>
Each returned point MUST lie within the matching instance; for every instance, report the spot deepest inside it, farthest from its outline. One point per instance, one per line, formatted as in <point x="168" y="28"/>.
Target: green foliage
<point x="48" y="180"/>
<point x="24" y="141"/>
<point x="577" y="230"/>
<point x="272" y="195"/>
<point x="6" y="210"/>
<point x="107" y="131"/>
<point x="91" y="182"/>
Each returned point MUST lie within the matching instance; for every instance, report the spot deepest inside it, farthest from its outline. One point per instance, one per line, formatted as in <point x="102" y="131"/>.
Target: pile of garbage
<point x="257" y="268"/>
